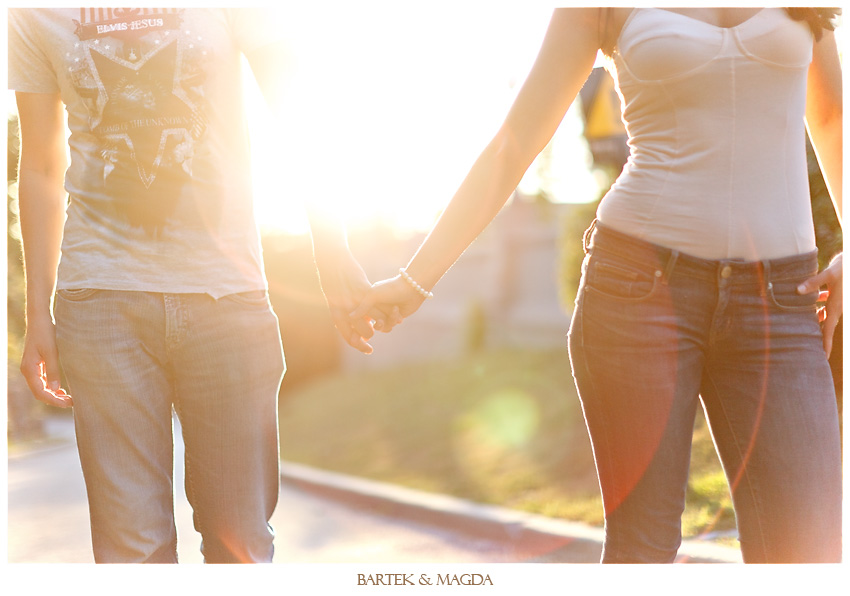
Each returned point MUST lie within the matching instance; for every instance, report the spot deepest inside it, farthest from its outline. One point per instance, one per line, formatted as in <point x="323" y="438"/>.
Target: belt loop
<point x="587" y="234"/>
<point x="766" y="284"/>
<point x="671" y="263"/>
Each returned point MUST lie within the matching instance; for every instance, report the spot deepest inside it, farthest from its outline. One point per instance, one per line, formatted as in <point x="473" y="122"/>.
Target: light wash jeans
<point x="654" y="332"/>
<point x="129" y="357"/>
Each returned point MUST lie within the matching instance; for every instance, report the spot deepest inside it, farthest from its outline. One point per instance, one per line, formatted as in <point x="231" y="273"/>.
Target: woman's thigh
<point x="770" y="401"/>
<point x="637" y="363"/>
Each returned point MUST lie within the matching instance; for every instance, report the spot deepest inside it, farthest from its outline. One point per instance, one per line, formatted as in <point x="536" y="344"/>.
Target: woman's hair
<point x="817" y="18"/>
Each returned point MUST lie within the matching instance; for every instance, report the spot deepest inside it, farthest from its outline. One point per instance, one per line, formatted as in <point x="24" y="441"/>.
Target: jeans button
<point x="726" y="272"/>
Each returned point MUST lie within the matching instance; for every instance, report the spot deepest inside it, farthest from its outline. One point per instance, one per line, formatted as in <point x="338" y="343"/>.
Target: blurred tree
<point x="14" y="272"/>
<point x="827" y="229"/>
<point x="475" y="327"/>
<point x="25" y="414"/>
<point x="830" y="241"/>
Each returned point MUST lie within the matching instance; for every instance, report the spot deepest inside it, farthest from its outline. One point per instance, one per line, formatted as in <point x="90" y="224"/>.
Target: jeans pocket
<point x="621" y="279"/>
<point x="77" y="295"/>
<point x="783" y="294"/>
<point x="250" y="298"/>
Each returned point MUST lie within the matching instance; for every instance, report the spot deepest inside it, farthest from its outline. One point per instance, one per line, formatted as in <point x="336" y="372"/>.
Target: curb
<point x="536" y="536"/>
<point x="58" y="434"/>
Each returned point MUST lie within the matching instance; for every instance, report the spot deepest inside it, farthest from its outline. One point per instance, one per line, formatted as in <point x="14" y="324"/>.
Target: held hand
<point x="829" y="314"/>
<point x="40" y="365"/>
<point x="344" y="284"/>
<point x="392" y="295"/>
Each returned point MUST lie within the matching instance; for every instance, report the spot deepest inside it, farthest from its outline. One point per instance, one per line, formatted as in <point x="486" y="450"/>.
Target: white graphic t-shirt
<point x="159" y="179"/>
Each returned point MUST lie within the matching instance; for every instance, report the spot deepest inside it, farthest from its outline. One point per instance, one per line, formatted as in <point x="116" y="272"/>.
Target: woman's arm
<point x="824" y="121"/>
<point x="565" y="59"/>
<point x="824" y="113"/>
<point x="42" y="201"/>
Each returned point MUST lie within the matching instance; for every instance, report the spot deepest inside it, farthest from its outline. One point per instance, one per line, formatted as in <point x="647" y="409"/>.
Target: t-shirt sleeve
<point x="30" y="69"/>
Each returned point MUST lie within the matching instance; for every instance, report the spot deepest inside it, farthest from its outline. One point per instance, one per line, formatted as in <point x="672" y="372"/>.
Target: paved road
<point x="48" y="523"/>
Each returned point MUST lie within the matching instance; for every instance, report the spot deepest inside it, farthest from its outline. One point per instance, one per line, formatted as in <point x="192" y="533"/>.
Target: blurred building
<point x="503" y="291"/>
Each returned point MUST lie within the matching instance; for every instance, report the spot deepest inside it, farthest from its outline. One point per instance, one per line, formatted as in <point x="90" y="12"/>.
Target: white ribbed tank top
<point x="715" y="119"/>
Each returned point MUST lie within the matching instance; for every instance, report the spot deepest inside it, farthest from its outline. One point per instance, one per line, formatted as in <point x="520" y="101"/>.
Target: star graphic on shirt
<point x="141" y="105"/>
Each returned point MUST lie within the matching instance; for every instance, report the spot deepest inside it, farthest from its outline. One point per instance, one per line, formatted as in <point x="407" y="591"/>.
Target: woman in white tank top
<point x="701" y="277"/>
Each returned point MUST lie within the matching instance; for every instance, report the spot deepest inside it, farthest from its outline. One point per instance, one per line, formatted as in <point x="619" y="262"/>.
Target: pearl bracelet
<point x="406" y="276"/>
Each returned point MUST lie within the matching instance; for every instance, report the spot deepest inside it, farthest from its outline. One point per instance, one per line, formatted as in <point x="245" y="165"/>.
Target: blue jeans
<point x="653" y="333"/>
<point x="129" y="358"/>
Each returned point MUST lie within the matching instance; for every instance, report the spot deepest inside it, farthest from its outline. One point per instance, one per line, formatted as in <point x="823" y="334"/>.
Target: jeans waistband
<point x="668" y="260"/>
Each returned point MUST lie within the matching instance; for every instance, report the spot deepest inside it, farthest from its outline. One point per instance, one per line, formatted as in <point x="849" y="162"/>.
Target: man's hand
<point x="344" y="284"/>
<point x="830" y="313"/>
<point x="40" y="364"/>
<point x="42" y="201"/>
<point x="394" y="296"/>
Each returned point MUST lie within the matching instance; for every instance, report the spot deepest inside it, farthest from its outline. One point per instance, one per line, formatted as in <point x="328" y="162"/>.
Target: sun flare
<point x="386" y="115"/>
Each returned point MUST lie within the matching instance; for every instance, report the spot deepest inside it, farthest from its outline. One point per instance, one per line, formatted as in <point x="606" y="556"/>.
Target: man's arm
<point x="343" y="280"/>
<point x="42" y="201"/>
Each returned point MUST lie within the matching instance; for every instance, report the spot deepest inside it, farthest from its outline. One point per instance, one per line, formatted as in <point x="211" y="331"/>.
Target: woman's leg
<point x="637" y="364"/>
<point x="228" y="367"/>
<point x="112" y="351"/>
<point x="770" y="402"/>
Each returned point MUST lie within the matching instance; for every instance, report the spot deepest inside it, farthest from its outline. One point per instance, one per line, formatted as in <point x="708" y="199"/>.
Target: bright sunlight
<point x="389" y="109"/>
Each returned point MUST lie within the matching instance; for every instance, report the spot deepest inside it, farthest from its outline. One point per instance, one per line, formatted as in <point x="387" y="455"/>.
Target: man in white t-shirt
<point x="160" y="296"/>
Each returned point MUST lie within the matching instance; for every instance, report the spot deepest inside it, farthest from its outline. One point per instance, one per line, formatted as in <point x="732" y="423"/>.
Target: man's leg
<point x="228" y="366"/>
<point x="112" y="351"/>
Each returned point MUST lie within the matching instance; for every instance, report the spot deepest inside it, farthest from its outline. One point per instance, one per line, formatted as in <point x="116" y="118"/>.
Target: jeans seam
<point x="801" y="308"/>
<point x="599" y="260"/>
<point x="627" y="299"/>
<point x="609" y="531"/>
<point x="743" y="470"/>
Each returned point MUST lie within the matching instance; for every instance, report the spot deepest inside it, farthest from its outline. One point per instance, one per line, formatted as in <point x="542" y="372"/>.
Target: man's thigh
<point x="111" y="348"/>
<point x="228" y="365"/>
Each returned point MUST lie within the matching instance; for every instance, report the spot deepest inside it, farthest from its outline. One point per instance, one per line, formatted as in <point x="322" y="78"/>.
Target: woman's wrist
<point x="408" y="279"/>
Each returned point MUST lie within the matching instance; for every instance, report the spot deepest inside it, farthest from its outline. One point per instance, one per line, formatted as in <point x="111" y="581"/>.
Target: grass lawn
<point x="502" y="427"/>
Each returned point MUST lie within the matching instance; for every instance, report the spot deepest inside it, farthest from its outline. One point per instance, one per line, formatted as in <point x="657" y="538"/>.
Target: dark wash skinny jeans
<point x="653" y="333"/>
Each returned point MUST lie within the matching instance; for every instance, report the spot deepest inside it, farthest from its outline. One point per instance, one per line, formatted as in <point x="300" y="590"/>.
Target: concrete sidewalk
<point x="532" y="538"/>
<point x="540" y="538"/>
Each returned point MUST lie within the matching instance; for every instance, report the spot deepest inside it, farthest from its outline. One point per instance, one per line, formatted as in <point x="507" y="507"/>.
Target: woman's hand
<point x="830" y="313"/>
<point x="394" y="296"/>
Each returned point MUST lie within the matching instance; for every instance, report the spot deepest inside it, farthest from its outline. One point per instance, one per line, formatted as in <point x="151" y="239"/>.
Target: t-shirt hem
<point x="216" y="292"/>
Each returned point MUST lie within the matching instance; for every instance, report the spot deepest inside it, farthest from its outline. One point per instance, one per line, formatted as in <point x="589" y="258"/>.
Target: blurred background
<point x="472" y="396"/>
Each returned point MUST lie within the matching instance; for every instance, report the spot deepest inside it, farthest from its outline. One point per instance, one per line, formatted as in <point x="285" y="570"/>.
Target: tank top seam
<point x="655" y="174"/>
<point x="629" y="19"/>
<point x="734" y="31"/>
<point x="662" y="192"/>
<point x="682" y="75"/>
<point x="631" y="73"/>
<point x="730" y="191"/>
<point x="746" y="53"/>
<point x="786" y="199"/>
